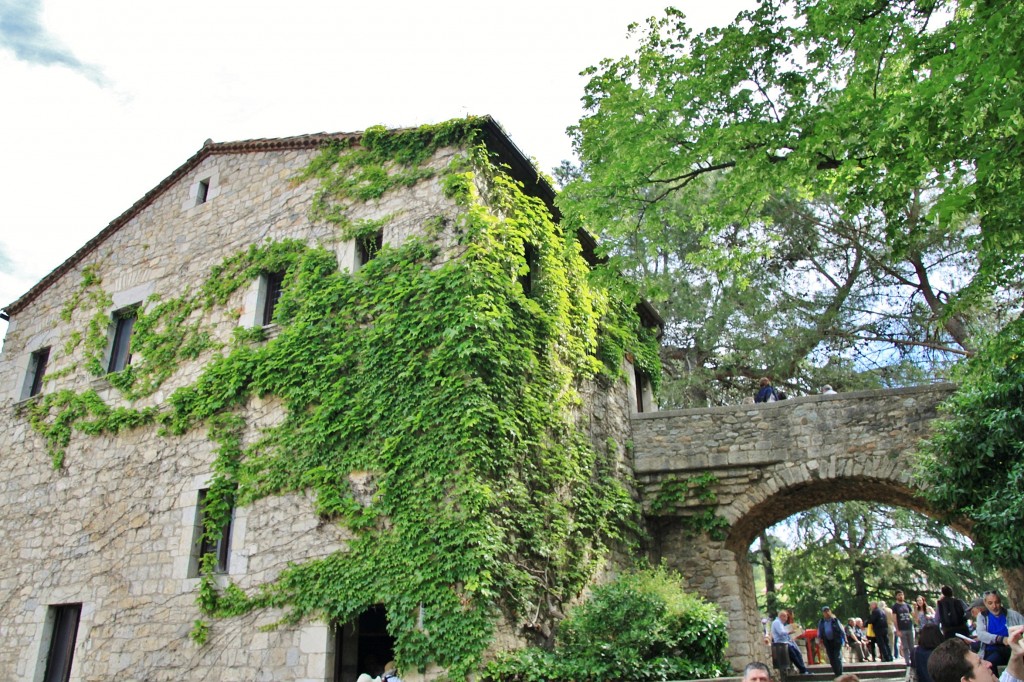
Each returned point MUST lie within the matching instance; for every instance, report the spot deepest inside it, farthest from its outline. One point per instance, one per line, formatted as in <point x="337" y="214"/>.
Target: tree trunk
<point x="771" y="602"/>
<point x="1014" y="578"/>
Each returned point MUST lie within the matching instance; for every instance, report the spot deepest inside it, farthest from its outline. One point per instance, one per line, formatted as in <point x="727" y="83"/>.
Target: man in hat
<point x="830" y="633"/>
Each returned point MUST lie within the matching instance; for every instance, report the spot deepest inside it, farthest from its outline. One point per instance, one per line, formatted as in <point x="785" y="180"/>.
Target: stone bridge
<point x="755" y="465"/>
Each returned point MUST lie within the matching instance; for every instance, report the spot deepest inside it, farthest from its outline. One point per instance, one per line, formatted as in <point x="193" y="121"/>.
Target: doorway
<point x="363" y="645"/>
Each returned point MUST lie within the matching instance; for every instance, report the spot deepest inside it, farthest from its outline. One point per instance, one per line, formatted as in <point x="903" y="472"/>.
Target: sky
<point x="101" y="100"/>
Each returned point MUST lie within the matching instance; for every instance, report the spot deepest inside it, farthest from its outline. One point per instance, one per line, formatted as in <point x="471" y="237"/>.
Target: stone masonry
<point x="113" y="529"/>
<point x="772" y="460"/>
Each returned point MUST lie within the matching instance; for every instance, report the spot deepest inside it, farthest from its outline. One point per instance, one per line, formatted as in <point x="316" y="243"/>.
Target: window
<point x="272" y="282"/>
<point x="527" y="279"/>
<point x="642" y="387"/>
<point x="120" y="350"/>
<point x="36" y="372"/>
<point x="202" y="191"/>
<point x="369" y="245"/>
<point x="201" y="545"/>
<point x="61" y="650"/>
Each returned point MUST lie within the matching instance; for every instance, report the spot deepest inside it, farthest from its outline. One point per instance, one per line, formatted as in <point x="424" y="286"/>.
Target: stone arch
<point x="769" y="462"/>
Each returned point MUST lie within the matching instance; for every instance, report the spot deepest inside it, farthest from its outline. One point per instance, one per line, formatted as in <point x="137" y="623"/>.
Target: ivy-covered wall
<point x="445" y="423"/>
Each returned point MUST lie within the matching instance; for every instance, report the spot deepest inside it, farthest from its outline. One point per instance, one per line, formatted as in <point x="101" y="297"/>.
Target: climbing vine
<point x="676" y="493"/>
<point x="442" y="378"/>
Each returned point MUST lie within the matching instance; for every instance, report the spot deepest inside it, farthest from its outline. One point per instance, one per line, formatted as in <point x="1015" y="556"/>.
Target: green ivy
<point x="674" y="494"/>
<point x="438" y="376"/>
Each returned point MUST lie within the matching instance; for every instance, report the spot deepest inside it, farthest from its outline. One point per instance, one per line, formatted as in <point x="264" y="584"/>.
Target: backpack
<point x="951" y="613"/>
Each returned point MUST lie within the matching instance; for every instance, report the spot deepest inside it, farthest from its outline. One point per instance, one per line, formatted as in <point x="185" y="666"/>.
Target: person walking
<point x="830" y="633"/>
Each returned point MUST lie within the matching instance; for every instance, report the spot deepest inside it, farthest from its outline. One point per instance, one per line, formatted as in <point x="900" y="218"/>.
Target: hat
<point x="978" y="603"/>
<point x="825" y="608"/>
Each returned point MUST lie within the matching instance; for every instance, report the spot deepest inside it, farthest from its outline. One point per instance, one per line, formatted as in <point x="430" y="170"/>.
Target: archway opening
<point x="363" y="645"/>
<point x="847" y="554"/>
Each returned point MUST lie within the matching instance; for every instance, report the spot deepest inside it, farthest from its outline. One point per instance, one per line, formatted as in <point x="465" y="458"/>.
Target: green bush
<point x="640" y="627"/>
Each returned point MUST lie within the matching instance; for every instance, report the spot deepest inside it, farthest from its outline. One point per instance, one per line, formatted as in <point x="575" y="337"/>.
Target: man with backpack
<point x="951" y="614"/>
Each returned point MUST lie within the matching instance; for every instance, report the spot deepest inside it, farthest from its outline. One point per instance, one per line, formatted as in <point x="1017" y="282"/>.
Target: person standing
<point x="830" y="633"/>
<point x="923" y="613"/>
<point x="951" y="614"/>
<point x="993" y="630"/>
<point x="880" y="623"/>
<point x="904" y="625"/>
<point x="781" y="635"/>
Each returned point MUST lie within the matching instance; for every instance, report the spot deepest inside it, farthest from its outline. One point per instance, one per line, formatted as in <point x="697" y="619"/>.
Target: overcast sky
<point x="103" y="99"/>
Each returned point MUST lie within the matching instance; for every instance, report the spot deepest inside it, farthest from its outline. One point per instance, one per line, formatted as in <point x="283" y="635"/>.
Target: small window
<point x="271" y="294"/>
<point x="202" y="191"/>
<point x="641" y="383"/>
<point x="369" y="246"/>
<point x="201" y="545"/>
<point x="61" y="650"/>
<point x="528" y="278"/>
<point x="36" y="372"/>
<point x="120" y="351"/>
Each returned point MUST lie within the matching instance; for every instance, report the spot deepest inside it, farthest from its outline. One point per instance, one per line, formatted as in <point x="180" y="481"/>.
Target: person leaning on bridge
<point x="782" y="635"/>
<point x="953" y="661"/>
<point x="767" y="393"/>
<point x="756" y="672"/>
<point x="993" y="630"/>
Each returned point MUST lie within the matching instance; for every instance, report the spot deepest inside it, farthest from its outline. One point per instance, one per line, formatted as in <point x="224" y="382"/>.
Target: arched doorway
<point x="363" y="645"/>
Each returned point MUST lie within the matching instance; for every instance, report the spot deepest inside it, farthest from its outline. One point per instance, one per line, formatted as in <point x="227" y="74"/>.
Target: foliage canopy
<point x="862" y="101"/>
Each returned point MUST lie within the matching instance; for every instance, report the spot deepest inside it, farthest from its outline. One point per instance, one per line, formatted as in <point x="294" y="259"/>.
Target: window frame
<point x="37" y="365"/>
<point x="121" y="338"/>
<point x="273" y="286"/>
<point x="63" y="622"/>
<point x="201" y="546"/>
<point x="368" y="247"/>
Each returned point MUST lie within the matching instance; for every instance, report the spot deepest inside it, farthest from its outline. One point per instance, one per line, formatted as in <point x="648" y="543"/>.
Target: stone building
<point x="109" y="470"/>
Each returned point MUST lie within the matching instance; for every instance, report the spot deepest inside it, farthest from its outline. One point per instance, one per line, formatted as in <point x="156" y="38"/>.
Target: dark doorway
<point x="363" y="645"/>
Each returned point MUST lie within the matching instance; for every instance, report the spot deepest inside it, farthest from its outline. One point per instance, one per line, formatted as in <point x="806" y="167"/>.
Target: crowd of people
<point x="913" y="632"/>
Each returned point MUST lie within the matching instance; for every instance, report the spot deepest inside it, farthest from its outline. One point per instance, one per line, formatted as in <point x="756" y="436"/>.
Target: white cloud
<point x="132" y="89"/>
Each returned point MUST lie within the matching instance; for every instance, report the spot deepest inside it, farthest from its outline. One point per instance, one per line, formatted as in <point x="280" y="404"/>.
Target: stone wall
<point x="113" y="529"/>
<point x="772" y="460"/>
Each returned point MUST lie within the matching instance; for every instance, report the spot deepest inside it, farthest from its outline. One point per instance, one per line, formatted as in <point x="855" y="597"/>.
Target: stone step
<point x="822" y="672"/>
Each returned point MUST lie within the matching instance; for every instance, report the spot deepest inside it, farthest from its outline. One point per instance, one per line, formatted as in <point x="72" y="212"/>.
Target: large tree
<point x="831" y="303"/>
<point x="865" y="103"/>
<point x="973" y="467"/>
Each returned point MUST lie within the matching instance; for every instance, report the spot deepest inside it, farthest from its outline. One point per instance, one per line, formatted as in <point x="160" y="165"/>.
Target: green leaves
<point x="861" y="102"/>
<point x="641" y="626"/>
<point x="974" y="464"/>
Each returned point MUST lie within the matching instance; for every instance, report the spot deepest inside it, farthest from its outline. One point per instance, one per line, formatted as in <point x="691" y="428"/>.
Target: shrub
<point x="642" y="626"/>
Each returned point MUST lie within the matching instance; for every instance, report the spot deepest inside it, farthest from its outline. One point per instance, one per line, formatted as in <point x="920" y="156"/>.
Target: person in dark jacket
<point x="880" y="624"/>
<point x="951" y="614"/>
<point x="830" y="633"/>
<point x="767" y="393"/>
<point x="929" y="637"/>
